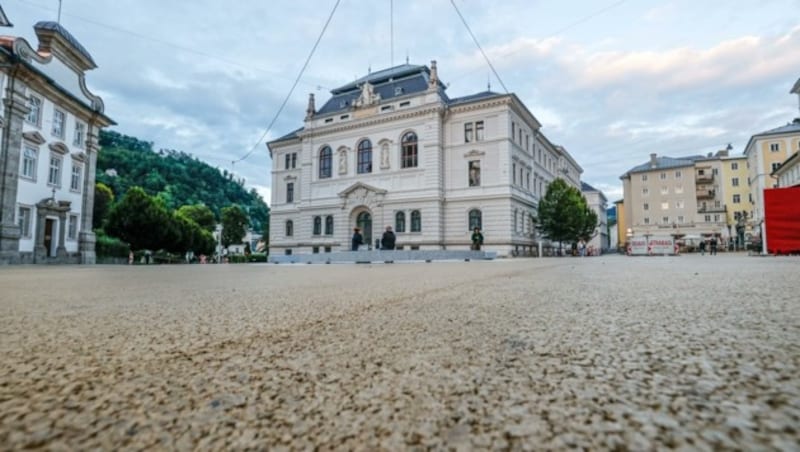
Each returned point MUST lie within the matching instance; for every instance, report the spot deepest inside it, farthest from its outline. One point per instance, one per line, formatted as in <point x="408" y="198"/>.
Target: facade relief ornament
<point x="368" y="96"/>
<point x="474" y="153"/>
<point x="361" y="194"/>
<point x="343" y="161"/>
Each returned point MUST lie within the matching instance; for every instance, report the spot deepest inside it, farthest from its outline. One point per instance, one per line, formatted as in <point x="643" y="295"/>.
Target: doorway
<point x="48" y="236"/>
<point x="364" y="222"/>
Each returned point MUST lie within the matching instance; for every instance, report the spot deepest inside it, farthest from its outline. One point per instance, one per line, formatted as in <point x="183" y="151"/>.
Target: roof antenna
<point x="406" y="56"/>
<point x="488" y="82"/>
<point x="369" y="69"/>
<point x="59" y="12"/>
<point x="391" y="32"/>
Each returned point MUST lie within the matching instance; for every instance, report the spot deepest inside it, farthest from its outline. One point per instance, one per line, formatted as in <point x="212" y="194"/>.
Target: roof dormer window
<point x="398" y="90"/>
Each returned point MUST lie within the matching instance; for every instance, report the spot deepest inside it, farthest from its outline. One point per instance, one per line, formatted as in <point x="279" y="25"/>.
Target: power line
<point x="452" y="2"/>
<point x="296" y="81"/>
<point x="162" y="42"/>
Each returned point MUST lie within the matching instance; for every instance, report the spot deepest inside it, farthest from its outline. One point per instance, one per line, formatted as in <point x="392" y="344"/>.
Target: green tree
<point x="141" y="221"/>
<point x="200" y="214"/>
<point x="564" y="215"/>
<point x="234" y="225"/>
<point x="103" y="199"/>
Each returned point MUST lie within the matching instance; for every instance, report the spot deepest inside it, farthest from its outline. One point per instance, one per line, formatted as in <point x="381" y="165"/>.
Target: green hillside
<point x="176" y="177"/>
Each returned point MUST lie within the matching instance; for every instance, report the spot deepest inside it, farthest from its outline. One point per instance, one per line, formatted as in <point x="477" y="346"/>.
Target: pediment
<point x="79" y="156"/>
<point x="474" y="153"/>
<point x="34" y="137"/>
<point x="360" y="187"/>
<point x="59" y="147"/>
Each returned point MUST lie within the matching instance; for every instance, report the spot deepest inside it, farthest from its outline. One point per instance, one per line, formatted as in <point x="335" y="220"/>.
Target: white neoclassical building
<point x="392" y="149"/>
<point x="48" y="148"/>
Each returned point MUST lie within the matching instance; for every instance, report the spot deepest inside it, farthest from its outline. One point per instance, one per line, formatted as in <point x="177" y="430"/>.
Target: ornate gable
<point x="361" y="194"/>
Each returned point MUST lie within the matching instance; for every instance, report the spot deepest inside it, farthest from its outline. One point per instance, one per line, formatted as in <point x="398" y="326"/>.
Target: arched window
<point x="409" y="151"/>
<point x="416" y="221"/>
<point x="317" y="225"/>
<point x="329" y="225"/>
<point x="364" y="157"/>
<point x="325" y="162"/>
<point x="289" y="228"/>
<point x="475" y="219"/>
<point x="400" y="222"/>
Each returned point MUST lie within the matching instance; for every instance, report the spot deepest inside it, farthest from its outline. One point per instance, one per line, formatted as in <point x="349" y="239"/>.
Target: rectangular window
<point x="474" y="173"/>
<point x="294" y="160"/>
<point x="679" y="204"/>
<point x="678" y="175"/>
<point x="24" y="221"/>
<point x="528" y="180"/>
<point x="514" y="173"/>
<point x="646" y="220"/>
<point x="314" y="250"/>
<point x="734" y="166"/>
<point x="343" y="117"/>
<point x="405" y="104"/>
<point x="287" y="161"/>
<point x="665" y="205"/>
<point x="707" y="218"/>
<point x="665" y="220"/>
<point x="645" y="191"/>
<point x="35" y="113"/>
<point x="664" y="190"/>
<point x="29" y="162"/>
<point x="468" y="132"/>
<point x="678" y="189"/>
<point x="75" y="182"/>
<point x="54" y="177"/>
<point x="527" y="142"/>
<point x="644" y="177"/>
<point x="680" y="218"/>
<point x="776" y="165"/>
<point x="513" y="130"/>
<point x="716" y="203"/>
<point x="72" y="229"/>
<point x="479" y="131"/>
<point x="80" y="134"/>
<point x="59" y="119"/>
<point x="290" y="192"/>
<point x="715" y="172"/>
<point x="735" y="181"/>
<point x="716" y="218"/>
<point x="775" y="147"/>
<point x="646" y="206"/>
<point x="663" y="176"/>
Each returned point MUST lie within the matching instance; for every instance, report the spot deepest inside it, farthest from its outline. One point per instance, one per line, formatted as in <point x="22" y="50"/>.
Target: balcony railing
<point x="704" y="194"/>
<point x="704" y="178"/>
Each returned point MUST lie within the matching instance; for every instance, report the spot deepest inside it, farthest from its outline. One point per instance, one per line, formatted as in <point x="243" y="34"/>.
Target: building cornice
<point x="370" y="121"/>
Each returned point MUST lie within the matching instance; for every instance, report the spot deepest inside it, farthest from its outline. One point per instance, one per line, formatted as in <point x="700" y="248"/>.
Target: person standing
<point x="703" y="247"/>
<point x="477" y="239"/>
<point x="713" y="246"/>
<point x="388" y="239"/>
<point x="357" y="240"/>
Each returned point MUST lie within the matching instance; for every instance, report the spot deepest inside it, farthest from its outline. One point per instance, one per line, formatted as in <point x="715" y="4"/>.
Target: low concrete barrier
<point x="381" y="256"/>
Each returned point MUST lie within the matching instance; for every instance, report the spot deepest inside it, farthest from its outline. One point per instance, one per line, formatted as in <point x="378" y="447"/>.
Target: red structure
<point x="782" y="220"/>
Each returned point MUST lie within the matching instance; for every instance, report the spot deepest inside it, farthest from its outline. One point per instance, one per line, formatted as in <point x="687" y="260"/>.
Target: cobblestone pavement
<point x="620" y="353"/>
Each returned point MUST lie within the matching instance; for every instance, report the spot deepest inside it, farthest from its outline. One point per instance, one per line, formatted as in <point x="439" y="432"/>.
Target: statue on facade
<point x="367" y="97"/>
<point x="385" y="156"/>
<point x="343" y="162"/>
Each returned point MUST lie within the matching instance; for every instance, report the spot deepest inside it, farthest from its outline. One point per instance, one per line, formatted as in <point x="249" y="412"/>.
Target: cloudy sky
<point x="611" y="80"/>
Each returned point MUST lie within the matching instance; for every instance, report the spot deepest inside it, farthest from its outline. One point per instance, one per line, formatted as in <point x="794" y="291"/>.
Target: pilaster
<point x="15" y="106"/>
<point x="86" y="236"/>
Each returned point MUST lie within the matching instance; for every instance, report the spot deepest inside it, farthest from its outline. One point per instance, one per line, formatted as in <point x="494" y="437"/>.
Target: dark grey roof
<point x="55" y="26"/>
<point x="383" y="76"/>
<point x="788" y="128"/>
<point x="474" y="97"/>
<point x="587" y="187"/>
<point x="289" y="136"/>
<point x="397" y="87"/>
<point x="4" y="22"/>
<point x="665" y="163"/>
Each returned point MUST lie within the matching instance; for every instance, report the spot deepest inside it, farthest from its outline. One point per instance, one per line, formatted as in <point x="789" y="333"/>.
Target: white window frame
<point x="58" y="124"/>
<point x="79" y="135"/>
<point x="680" y="219"/>
<point x="735" y="181"/>
<point x="645" y="191"/>
<point x="35" y="104"/>
<point x="737" y="198"/>
<point x="76" y="177"/>
<point x="72" y="227"/>
<point x="55" y="169"/>
<point x="678" y="189"/>
<point x="24" y="222"/>
<point x="734" y="166"/>
<point x="665" y="205"/>
<point x="33" y="165"/>
<point x="774" y="147"/>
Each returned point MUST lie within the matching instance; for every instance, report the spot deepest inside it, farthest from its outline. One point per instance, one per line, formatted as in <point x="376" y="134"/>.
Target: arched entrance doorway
<point x="364" y="222"/>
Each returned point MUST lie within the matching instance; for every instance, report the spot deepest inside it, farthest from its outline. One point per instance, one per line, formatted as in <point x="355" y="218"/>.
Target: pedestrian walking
<point x="357" y="240"/>
<point x="388" y="239"/>
<point x="713" y="246"/>
<point x="703" y="247"/>
<point x="477" y="239"/>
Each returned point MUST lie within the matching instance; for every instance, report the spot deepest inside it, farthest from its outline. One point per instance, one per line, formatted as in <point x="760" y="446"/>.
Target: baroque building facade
<point x="392" y="149"/>
<point x="48" y="149"/>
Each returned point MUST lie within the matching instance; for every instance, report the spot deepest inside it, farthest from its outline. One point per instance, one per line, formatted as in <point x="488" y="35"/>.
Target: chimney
<point x="653" y="160"/>
<point x="311" y="109"/>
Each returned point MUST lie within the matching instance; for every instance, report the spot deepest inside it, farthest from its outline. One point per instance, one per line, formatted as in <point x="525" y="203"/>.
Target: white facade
<point x="597" y="201"/>
<point x="49" y="147"/>
<point x="438" y="167"/>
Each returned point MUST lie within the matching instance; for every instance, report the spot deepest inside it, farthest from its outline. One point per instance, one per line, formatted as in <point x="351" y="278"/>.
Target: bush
<point x="257" y="257"/>
<point x="111" y="246"/>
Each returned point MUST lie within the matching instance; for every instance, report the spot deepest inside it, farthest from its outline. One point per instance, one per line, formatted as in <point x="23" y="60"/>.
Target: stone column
<point x="15" y="110"/>
<point x="86" y="237"/>
<point x="39" y="250"/>
<point x="61" y="249"/>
